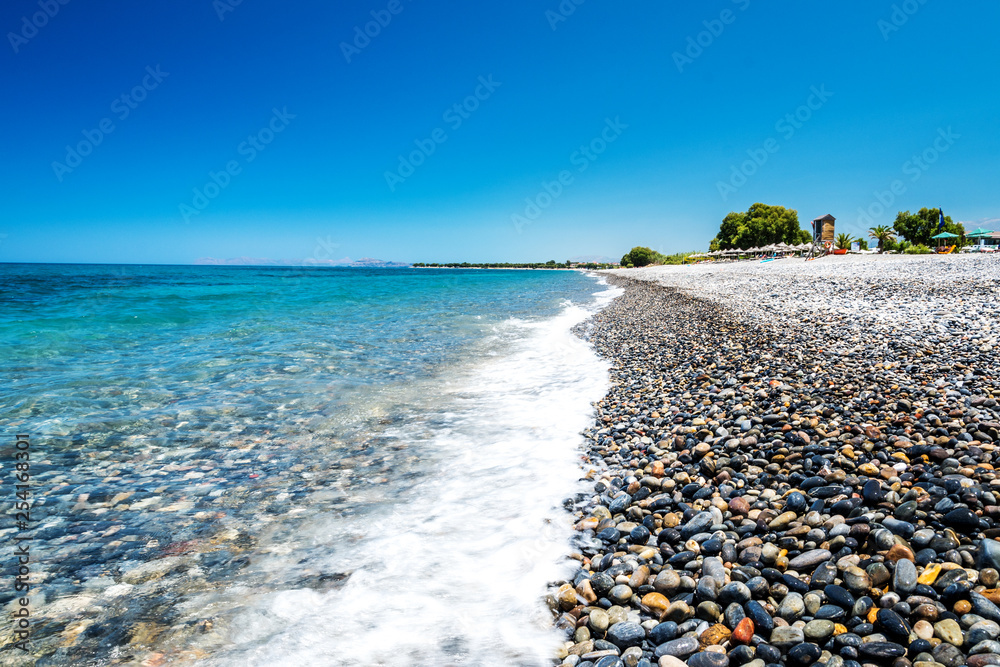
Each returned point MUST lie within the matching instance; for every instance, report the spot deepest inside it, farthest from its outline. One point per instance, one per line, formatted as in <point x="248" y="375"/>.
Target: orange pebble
<point x="744" y="631"/>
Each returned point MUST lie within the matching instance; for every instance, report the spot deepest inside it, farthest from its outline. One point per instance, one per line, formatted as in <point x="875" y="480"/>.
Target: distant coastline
<point x="498" y="268"/>
<point x="551" y="265"/>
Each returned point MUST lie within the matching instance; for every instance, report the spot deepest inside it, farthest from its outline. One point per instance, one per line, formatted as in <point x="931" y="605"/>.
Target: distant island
<point x="364" y="262"/>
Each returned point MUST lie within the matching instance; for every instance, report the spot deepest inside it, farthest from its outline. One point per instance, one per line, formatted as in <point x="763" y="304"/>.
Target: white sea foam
<point x="455" y="573"/>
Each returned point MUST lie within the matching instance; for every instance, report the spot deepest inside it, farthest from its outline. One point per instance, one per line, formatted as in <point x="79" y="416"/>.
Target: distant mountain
<point x="364" y="262"/>
<point x="985" y="223"/>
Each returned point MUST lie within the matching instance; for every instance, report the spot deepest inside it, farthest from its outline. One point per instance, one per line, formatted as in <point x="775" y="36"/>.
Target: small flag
<point x="940" y="219"/>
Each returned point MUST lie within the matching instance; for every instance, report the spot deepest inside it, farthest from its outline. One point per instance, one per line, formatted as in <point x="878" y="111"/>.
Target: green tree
<point x="734" y="227"/>
<point x="883" y="235"/>
<point x="639" y="256"/>
<point x="919" y="227"/>
<point x="844" y="241"/>
<point x="761" y="225"/>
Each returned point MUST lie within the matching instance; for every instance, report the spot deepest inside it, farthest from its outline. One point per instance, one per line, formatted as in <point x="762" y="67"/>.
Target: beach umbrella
<point x="980" y="232"/>
<point x="945" y="235"/>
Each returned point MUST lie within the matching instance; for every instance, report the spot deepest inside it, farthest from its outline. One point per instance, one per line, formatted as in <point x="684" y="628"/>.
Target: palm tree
<point x="844" y="241"/>
<point x="882" y="234"/>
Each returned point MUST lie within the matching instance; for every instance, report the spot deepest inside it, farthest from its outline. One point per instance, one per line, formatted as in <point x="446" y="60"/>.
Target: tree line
<point x="551" y="264"/>
<point x="911" y="233"/>
<point x="763" y="225"/>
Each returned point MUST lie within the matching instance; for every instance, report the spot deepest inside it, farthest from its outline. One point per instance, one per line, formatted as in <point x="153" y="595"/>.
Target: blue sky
<point x="660" y="117"/>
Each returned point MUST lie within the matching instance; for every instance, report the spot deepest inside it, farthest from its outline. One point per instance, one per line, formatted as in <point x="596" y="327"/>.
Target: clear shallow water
<point x="318" y="466"/>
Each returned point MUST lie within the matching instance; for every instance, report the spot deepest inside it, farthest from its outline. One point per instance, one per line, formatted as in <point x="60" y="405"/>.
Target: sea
<point x="238" y="466"/>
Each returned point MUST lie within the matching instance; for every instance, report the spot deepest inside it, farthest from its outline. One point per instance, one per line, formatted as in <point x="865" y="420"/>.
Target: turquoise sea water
<point x="280" y="465"/>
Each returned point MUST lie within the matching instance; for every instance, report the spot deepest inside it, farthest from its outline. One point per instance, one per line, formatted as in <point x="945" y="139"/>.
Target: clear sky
<point x="670" y="101"/>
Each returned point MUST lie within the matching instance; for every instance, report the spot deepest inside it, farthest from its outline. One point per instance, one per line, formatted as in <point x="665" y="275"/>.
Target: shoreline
<point x="792" y="472"/>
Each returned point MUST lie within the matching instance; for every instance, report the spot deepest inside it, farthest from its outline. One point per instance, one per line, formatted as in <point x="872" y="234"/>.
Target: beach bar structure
<point x="985" y="238"/>
<point x="823" y="229"/>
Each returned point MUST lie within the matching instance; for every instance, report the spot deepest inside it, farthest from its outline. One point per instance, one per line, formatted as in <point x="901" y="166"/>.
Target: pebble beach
<point x="794" y="466"/>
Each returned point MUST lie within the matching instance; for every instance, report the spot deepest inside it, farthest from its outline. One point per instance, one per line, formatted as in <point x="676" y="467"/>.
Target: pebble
<point x="708" y="659"/>
<point x="620" y="594"/>
<point x="625" y="635"/>
<point x="949" y="631"/>
<point x="809" y="560"/>
<point x="904" y="580"/>
<point x="599" y="620"/>
<point x="678" y="648"/>
<point x="786" y="636"/>
<point x="670" y="661"/>
<point x="818" y="630"/>
<point x="804" y="654"/>
<point x="795" y="468"/>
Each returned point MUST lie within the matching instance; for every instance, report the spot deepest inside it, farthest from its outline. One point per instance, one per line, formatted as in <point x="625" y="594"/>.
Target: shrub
<point x="919" y="249"/>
